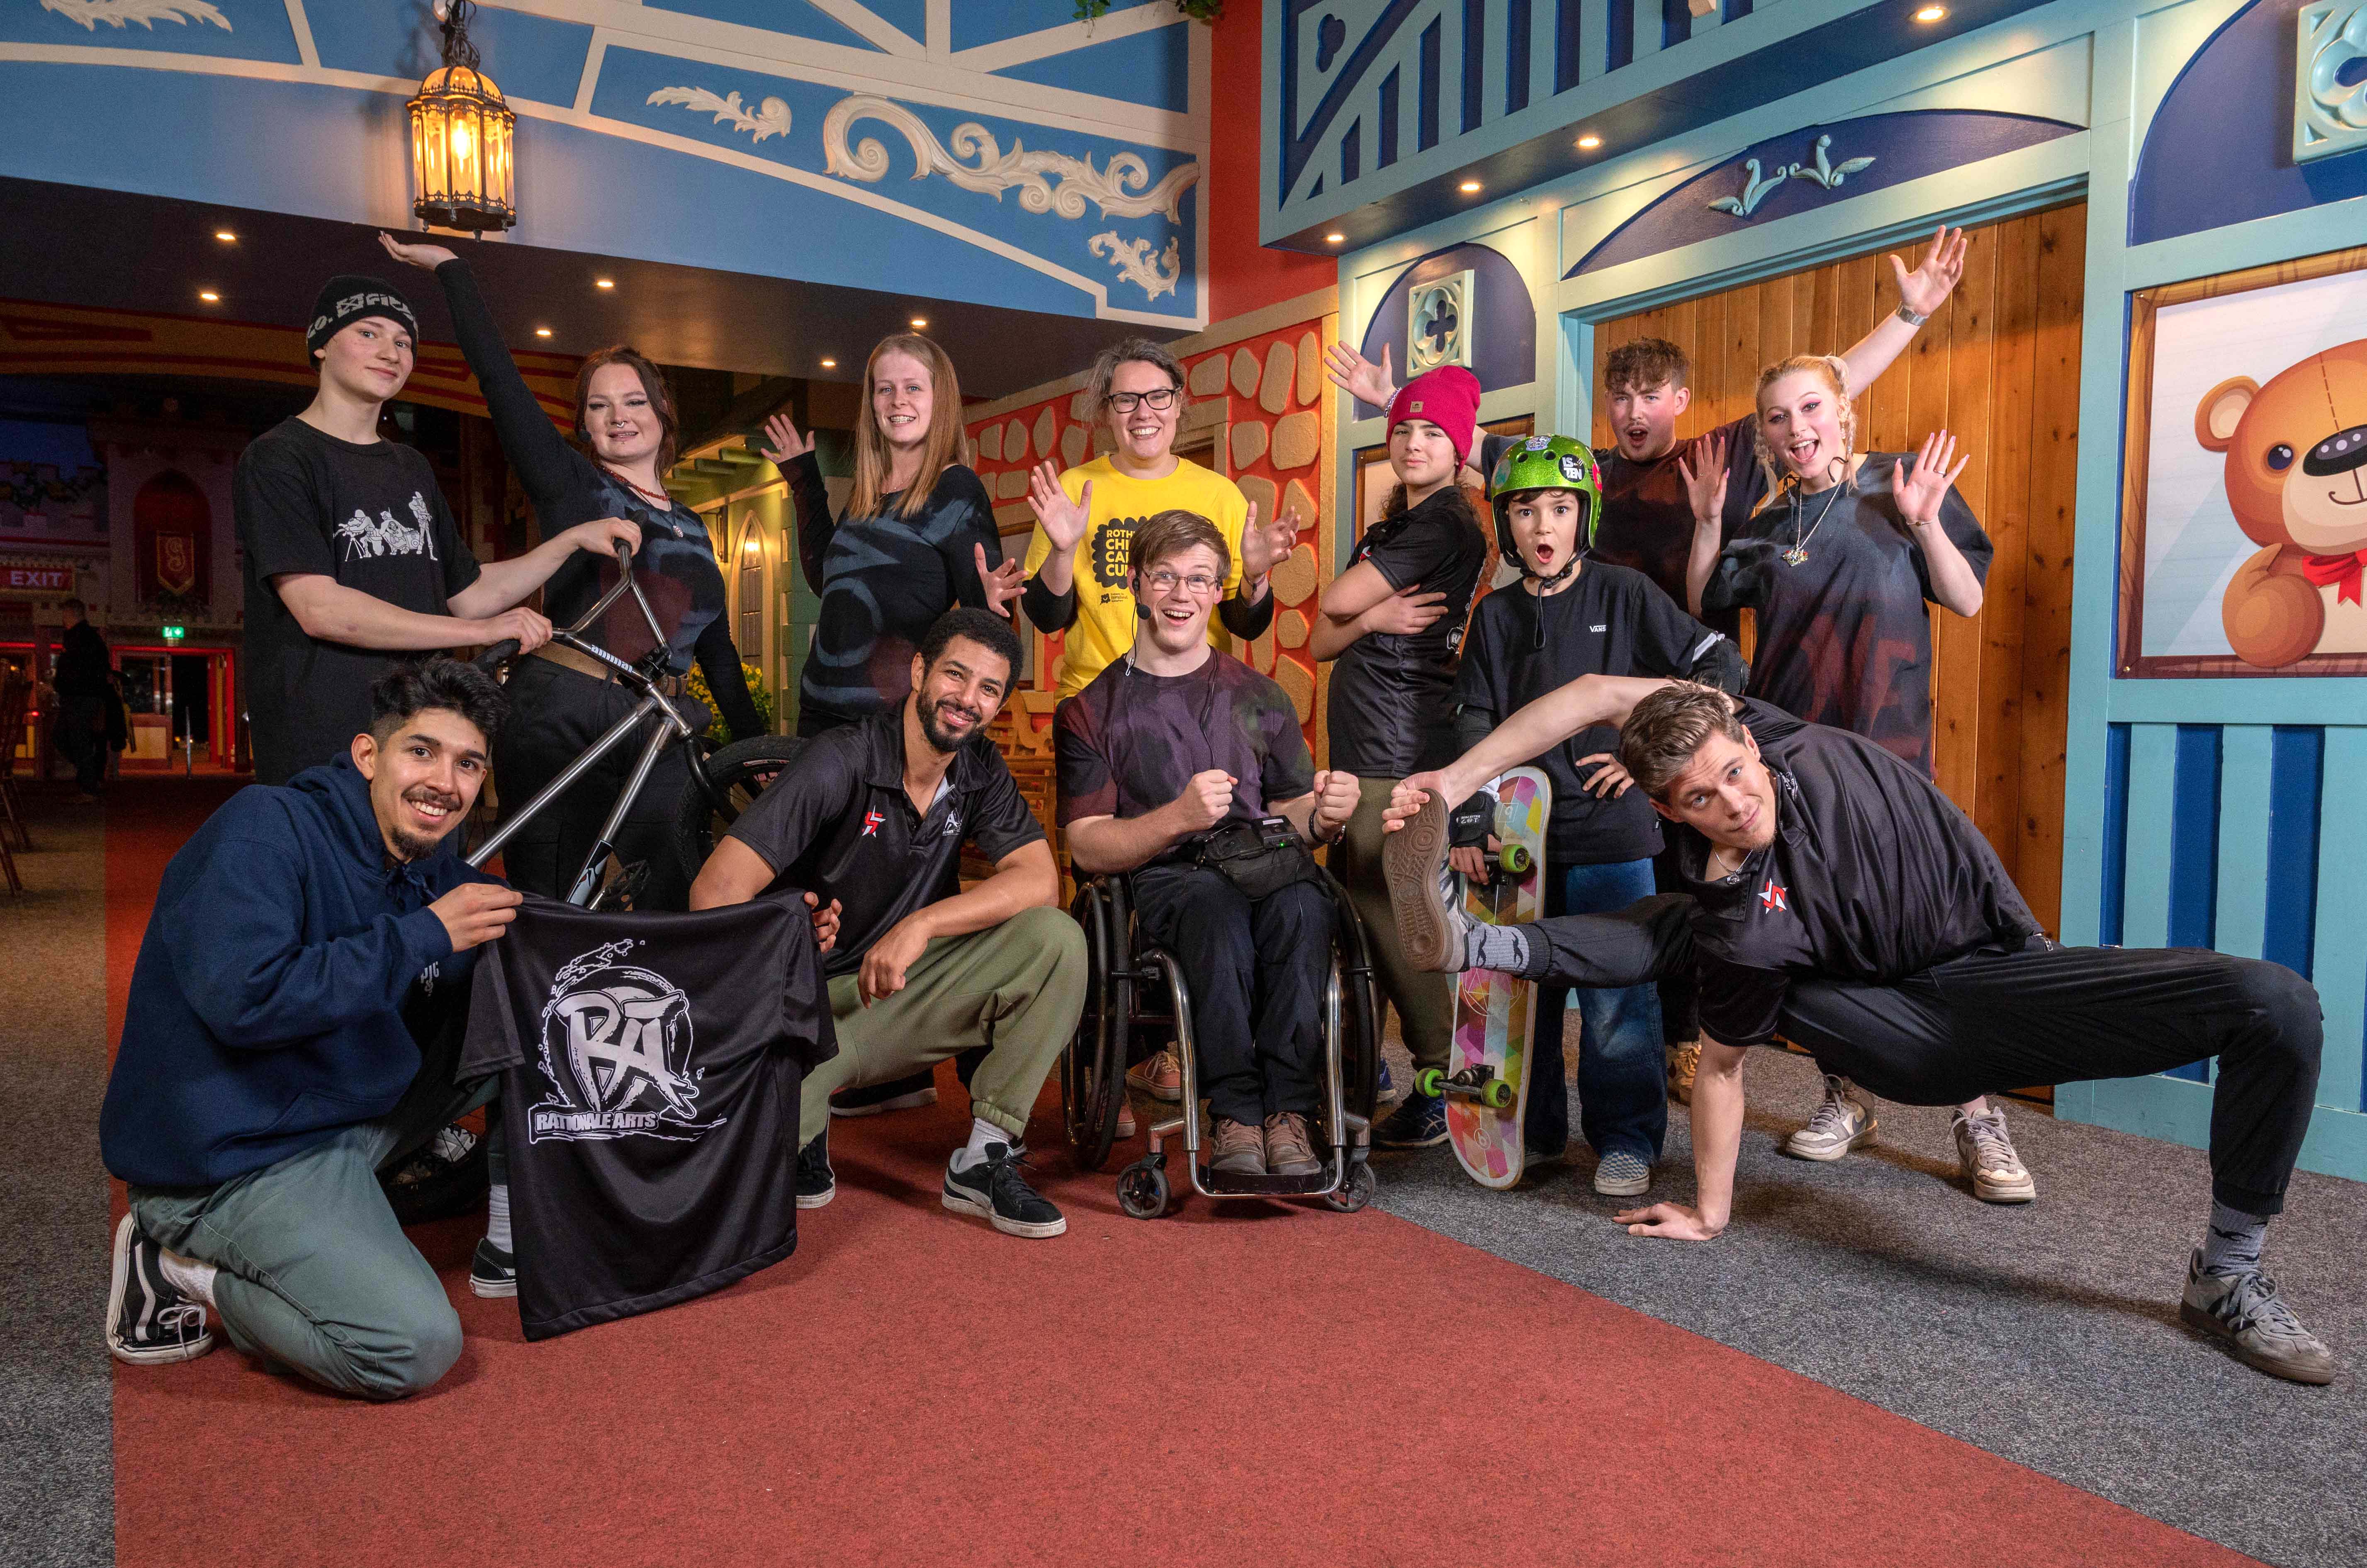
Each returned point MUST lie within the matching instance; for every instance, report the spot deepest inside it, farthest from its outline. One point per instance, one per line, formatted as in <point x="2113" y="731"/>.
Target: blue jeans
<point x="1623" y="1074"/>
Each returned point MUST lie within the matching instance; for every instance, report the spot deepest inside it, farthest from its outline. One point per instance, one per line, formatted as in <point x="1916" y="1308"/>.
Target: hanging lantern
<point x="461" y="132"/>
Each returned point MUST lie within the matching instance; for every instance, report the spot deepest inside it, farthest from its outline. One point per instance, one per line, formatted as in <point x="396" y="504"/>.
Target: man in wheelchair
<point x="1173" y="764"/>
<point x="870" y="818"/>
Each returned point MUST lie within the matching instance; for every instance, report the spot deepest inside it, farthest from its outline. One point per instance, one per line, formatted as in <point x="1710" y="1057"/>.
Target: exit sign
<point x="21" y="577"/>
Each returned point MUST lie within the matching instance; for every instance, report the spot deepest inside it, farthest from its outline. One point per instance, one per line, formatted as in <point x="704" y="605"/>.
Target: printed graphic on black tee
<point x="616" y="1042"/>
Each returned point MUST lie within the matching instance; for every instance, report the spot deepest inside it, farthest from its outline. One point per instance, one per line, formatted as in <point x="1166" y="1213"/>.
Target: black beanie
<point x="347" y="299"/>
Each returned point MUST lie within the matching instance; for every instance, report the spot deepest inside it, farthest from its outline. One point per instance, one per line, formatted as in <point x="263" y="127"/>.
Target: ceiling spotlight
<point x="1469" y="187"/>
<point x="920" y="321"/>
<point x="1932" y="12"/>
<point x="604" y="283"/>
<point x="1589" y="142"/>
<point x="1334" y="238"/>
<point x="542" y="331"/>
<point x="224" y="235"/>
<point x="830" y="364"/>
<point x="209" y="296"/>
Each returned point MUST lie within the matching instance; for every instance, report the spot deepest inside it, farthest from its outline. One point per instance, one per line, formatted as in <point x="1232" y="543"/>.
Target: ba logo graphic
<point x="616" y="1052"/>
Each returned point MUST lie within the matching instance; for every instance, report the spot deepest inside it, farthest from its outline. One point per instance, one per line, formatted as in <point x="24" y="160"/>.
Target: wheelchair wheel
<point x="1361" y="1187"/>
<point x="740" y="772"/>
<point x="1143" y="1188"/>
<point x="1092" y="1070"/>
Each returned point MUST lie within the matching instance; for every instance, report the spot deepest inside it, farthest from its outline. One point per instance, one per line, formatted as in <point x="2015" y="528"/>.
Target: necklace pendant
<point x="1795" y="556"/>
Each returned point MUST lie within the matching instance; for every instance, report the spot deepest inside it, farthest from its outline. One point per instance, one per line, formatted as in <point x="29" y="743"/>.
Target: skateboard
<point x="1486" y="1083"/>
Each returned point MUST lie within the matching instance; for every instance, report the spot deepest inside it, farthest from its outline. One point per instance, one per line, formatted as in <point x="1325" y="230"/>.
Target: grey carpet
<point x="2047" y="1334"/>
<point x="57" y="1465"/>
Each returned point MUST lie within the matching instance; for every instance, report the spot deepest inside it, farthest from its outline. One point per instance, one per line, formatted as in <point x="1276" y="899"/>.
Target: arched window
<point x="752" y="591"/>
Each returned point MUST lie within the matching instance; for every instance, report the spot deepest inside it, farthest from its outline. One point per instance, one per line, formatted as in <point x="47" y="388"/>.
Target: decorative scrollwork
<point x="147" y="13"/>
<point x="1117" y="190"/>
<point x="1756" y="186"/>
<point x="1153" y="275"/>
<point x="770" y="117"/>
<point x="2330" y="80"/>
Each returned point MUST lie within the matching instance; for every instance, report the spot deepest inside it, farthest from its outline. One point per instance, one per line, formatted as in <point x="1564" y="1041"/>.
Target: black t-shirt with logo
<point x="1611" y="621"/>
<point x="838" y="824"/>
<point x="1392" y="702"/>
<point x="1874" y="876"/>
<point x="1129" y="742"/>
<point x="651" y="1065"/>
<point x="371" y="518"/>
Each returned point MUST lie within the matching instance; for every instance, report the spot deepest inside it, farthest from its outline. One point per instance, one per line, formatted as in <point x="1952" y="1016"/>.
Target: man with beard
<point x="289" y="1034"/>
<point x="870" y="818"/>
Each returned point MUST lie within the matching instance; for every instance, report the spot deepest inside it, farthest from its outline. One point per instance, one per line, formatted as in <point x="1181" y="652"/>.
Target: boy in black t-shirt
<point x="352" y="554"/>
<point x="1169" y="742"/>
<point x="1570" y="616"/>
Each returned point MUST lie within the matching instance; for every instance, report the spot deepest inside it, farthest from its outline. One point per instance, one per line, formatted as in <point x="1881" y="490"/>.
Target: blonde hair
<point x="1833" y="370"/>
<point x="946" y="444"/>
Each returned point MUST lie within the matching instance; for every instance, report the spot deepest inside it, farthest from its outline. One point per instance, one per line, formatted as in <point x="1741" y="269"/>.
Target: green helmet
<point x="1546" y="462"/>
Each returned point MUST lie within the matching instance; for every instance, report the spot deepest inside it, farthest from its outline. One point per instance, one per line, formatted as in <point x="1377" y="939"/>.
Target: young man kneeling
<point x="305" y="946"/>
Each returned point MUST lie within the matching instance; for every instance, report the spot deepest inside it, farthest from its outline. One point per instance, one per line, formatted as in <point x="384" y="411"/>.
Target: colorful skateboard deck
<point x="1486" y="1082"/>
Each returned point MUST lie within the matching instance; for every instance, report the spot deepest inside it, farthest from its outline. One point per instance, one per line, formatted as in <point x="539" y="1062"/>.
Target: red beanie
<point x="1449" y="397"/>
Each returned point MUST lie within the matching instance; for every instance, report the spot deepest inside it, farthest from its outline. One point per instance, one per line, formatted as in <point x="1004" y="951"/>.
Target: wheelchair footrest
<point x="1224" y="1184"/>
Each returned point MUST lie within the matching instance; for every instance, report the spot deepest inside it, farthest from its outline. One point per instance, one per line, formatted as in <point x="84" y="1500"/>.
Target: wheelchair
<point x="1138" y="998"/>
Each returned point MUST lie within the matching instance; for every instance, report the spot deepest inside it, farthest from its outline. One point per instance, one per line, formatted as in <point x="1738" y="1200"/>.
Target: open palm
<point x="1936" y="467"/>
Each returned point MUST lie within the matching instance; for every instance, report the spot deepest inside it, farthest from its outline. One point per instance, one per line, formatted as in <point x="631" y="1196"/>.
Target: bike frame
<point x="654" y="702"/>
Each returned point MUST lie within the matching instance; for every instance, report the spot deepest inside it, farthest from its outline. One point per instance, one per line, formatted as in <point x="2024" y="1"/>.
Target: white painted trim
<point x="1069" y="36"/>
<point x="860" y="19"/>
<point x="273" y="71"/>
<point x="593" y="59"/>
<point x="302" y="28"/>
<point x="941" y="29"/>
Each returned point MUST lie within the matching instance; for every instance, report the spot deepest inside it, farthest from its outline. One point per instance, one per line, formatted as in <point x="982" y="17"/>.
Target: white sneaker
<point x="1984" y="1149"/>
<point x="1839" y="1125"/>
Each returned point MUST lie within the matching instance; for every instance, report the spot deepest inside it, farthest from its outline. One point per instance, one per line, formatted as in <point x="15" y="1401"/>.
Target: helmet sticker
<point x="1572" y="470"/>
<point x="1539" y="442"/>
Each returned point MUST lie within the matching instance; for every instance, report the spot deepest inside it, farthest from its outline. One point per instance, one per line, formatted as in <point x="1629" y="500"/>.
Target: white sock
<point x="497" y="1215"/>
<point x="187" y="1275"/>
<point x="981" y="1134"/>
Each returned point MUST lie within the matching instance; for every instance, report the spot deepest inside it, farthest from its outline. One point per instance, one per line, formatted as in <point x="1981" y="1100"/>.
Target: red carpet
<point x="912" y="1388"/>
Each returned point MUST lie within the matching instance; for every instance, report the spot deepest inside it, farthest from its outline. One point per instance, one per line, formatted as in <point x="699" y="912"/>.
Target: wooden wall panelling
<point x="2046" y="596"/>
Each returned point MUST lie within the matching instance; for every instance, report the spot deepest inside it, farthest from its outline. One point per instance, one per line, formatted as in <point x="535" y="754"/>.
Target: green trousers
<point x="1425" y="998"/>
<point x="1015" y="988"/>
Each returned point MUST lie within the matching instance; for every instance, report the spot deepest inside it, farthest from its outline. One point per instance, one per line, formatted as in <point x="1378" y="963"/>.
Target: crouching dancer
<point x="870" y="818"/>
<point x="1832" y="893"/>
<point x="293" y="1031"/>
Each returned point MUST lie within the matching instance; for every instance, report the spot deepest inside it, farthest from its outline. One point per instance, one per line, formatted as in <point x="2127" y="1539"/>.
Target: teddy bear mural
<point x="2296" y="481"/>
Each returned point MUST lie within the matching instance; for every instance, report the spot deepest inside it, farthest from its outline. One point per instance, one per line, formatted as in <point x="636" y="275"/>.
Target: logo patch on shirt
<point x="953" y="824"/>
<point x="1771" y="897"/>
<point x="616" y="1052"/>
<point x="871" y="821"/>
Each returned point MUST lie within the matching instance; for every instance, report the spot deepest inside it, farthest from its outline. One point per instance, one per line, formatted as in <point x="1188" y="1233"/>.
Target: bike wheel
<point x="739" y="772"/>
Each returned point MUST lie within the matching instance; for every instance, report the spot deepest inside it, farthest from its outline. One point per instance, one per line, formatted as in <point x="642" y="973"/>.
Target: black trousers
<point x="1256" y="973"/>
<point x="1994" y="1020"/>
<point x="555" y="716"/>
<point x="1680" y="1012"/>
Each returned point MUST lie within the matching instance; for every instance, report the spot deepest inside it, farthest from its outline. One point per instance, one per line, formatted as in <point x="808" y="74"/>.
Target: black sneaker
<point x="149" y="1321"/>
<point x="1418" y="1122"/>
<point x="817" y="1183"/>
<point x="448" y="1177"/>
<point x="493" y="1272"/>
<point x="994" y="1189"/>
<point x="873" y="1100"/>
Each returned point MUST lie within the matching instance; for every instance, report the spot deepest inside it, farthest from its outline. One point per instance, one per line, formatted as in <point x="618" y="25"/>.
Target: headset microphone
<point x="1139" y="613"/>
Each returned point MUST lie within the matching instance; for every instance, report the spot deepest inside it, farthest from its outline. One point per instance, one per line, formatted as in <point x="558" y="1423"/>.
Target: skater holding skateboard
<point x="1569" y="616"/>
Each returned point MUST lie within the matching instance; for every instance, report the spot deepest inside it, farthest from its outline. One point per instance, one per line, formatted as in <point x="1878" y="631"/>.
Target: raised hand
<point x="1205" y="801"/>
<point x="1001" y="582"/>
<point x="1264" y="549"/>
<point x="1927" y="289"/>
<point x="1359" y="376"/>
<point x="1706" y="487"/>
<point x="1406" y="612"/>
<point x="1336" y="794"/>
<point x="429" y="256"/>
<point x="785" y="445"/>
<point x="1062" y="520"/>
<point x="1920" y="492"/>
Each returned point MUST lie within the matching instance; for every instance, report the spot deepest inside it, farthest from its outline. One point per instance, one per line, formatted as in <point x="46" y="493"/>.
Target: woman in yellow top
<point x="1085" y="519"/>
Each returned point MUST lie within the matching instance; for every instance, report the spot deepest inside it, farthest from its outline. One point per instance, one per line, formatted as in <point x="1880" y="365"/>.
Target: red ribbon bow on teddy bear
<point x="2327" y="570"/>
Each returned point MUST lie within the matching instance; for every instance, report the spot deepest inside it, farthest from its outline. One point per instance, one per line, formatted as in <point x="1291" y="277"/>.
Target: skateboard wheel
<point x="1514" y="858"/>
<point x="1496" y="1094"/>
<point x="1429" y="1081"/>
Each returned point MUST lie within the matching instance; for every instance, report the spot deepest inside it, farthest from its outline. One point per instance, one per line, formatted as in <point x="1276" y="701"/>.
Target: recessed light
<point x="1932" y="14"/>
<point x="1589" y="142"/>
<point x="830" y="364"/>
<point x="224" y="235"/>
<point x="542" y="331"/>
<point x="1334" y="238"/>
<point x="604" y="283"/>
<point x="209" y="296"/>
<point x="920" y="321"/>
<point x="1468" y="186"/>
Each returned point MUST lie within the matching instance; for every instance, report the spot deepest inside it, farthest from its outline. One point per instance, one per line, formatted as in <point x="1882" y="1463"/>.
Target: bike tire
<point x="740" y="772"/>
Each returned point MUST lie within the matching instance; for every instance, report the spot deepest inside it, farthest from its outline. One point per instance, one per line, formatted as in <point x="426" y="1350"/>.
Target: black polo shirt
<point x="837" y="823"/>
<point x="1874" y="876"/>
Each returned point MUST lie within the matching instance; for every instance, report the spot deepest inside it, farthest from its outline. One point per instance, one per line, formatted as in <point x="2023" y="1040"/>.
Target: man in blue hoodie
<point x="292" y="1027"/>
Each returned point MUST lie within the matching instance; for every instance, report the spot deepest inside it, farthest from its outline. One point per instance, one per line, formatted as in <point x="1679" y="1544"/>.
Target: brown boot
<point x="1289" y="1150"/>
<point x="1236" y="1148"/>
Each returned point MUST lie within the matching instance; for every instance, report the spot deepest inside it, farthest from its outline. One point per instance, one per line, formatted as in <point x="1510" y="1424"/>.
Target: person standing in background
<point x="85" y="670"/>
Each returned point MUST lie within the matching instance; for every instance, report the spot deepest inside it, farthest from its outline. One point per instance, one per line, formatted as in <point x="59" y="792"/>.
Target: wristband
<point x="1910" y="315"/>
<point x="1467" y="825"/>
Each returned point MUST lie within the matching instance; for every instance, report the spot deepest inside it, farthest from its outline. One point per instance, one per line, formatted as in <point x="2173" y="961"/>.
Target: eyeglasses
<point x="1161" y="399"/>
<point x="1164" y="581"/>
